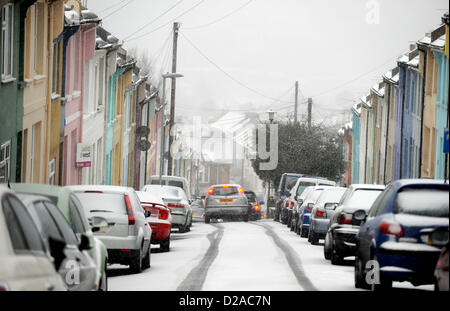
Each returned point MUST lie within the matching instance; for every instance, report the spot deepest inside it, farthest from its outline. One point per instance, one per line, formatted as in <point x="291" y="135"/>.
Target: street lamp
<point x="271" y="114"/>
<point x="163" y="122"/>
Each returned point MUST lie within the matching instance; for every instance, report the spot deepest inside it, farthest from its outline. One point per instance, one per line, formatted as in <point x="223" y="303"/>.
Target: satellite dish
<point x="142" y="131"/>
<point x="143" y="145"/>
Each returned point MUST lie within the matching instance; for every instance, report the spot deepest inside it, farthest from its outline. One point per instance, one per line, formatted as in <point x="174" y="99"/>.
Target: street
<point x="238" y="256"/>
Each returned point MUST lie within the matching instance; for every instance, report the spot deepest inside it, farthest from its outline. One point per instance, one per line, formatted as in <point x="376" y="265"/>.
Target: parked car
<point x="304" y="211"/>
<point x="123" y="227"/>
<point x="395" y="233"/>
<point x="298" y="204"/>
<point x="21" y="246"/>
<point x="175" y="181"/>
<point x="198" y="209"/>
<point x="322" y="212"/>
<point x="340" y="240"/>
<point x="295" y="193"/>
<point x="254" y="205"/>
<point x="160" y="219"/>
<point x="74" y="212"/>
<point x="226" y="201"/>
<point x="287" y="181"/>
<point x="77" y="268"/>
<point x="176" y="200"/>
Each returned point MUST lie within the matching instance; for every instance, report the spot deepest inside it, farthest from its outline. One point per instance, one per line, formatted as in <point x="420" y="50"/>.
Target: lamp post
<point x="163" y="121"/>
<point x="271" y="114"/>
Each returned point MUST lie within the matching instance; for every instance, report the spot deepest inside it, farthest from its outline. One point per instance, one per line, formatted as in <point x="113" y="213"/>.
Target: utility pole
<point x="310" y="102"/>
<point x="176" y="27"/>
<point x="296" y="103"/>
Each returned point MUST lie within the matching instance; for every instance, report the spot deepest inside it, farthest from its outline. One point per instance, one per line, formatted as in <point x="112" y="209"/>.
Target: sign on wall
<point x="84" y="155"/>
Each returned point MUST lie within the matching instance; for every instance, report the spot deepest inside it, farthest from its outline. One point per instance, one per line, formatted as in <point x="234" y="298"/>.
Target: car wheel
<point x="207" y="219"/>
<point x="385" y="282"/>
<point x="335" y="257"/>
<point x="326" y="248"/>
<point x="360" y="276"/>
<point x="246" y="218"/>
<point x="304" y="233"/>
<point x="104" y="280"/>
<point x="146" y="260"/>
<point x="136" y="263"/>
<point x="165" y="245"/>
<point x="313" y="238"/>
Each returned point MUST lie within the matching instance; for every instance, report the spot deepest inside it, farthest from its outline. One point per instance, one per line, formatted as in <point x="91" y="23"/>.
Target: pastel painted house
<point x="78" y="50"/>
<point x="356" y="121"/>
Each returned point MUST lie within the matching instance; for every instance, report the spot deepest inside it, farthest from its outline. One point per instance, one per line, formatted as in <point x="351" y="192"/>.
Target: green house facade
<point x="12" y="50"/>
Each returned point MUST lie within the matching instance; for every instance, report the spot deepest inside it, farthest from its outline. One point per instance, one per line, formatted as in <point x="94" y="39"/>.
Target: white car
<point x="176" y="200"/>
<point x="24" y="259"/>
<point x="175" y="181"/>
<point x="125" y="231"/>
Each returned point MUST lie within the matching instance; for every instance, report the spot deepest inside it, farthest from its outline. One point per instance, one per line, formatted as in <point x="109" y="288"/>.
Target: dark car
<point x="287" y="181"/>
<point x="254" y="212"/>
<point x="395" y="234"/>
<point x="340" y="240"/>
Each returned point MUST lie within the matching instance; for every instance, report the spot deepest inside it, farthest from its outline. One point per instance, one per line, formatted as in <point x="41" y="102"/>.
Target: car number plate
<point x="226" y="200"/>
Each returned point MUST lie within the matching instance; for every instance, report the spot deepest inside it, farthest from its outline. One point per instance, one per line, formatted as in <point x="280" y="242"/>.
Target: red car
<point x="160" y="220"/>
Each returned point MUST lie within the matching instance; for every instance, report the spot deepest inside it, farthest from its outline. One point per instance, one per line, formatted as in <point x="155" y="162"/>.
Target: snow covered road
<point x="238" y="256"/>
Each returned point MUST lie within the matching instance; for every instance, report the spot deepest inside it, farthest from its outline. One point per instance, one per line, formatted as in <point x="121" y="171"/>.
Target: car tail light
<point x="211" y="191"/>
<point x="130" y="212"/>
<point x="126" y="250"/>
<point x="320" y="213"/>
<point x="287" y="204"/>
<point x="226" y="187"/>
<point x="241" y="190"/>
<point x="292" y="203"/>
<point x="163" y="214"/>
<point x="391" y="228"/>
<point x="345" y="219"/>
<point x="93" y="191"/>
<point x="309" y="206"/>
<point x="257" y="208"/>
<point x="174" y="205"/>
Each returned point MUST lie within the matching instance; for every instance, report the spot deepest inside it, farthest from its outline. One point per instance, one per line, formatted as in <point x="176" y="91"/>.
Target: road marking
<point x="195" y="279"/>
<point x="294" y="261"/>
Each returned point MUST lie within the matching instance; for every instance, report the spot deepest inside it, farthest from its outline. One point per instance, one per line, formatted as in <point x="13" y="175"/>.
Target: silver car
<point x="124" y="229"/>
<point x="176" y="200"/>
<point x="226" y="201"/>
<point x="198" y="210"/>
<point x="77" y="268"/>
<point x="322" y="212"/>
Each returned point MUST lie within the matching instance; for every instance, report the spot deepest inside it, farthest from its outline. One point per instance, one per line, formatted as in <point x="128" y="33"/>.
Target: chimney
<point x="412" y="47"/>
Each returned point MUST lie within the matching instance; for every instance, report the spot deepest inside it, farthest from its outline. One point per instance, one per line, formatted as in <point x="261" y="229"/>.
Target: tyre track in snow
<point x="293" y="260"/>
<point x="195" y="279"/>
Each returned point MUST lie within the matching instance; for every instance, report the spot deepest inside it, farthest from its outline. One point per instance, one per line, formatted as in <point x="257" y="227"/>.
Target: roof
<point x="439" y="43"/>
<point x="117" y="189"/>
<point x="414" y="62"/>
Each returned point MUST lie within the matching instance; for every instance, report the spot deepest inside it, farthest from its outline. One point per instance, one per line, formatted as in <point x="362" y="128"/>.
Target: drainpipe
<point x="403" y="87"/>
<point x="387" y="128"/>
<point x="423" y="110"/>
<point x="367" y="146"/>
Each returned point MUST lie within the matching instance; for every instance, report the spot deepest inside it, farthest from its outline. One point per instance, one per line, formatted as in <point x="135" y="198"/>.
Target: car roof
<point x="117" y="189"/>
<point x="230" y="185"/>
<point x="149" y="197"/>
<point x="155" y="177"/>
<point x="61" y="193"/>
<point x="418" y="182"/>
<point x="366" y="186"/>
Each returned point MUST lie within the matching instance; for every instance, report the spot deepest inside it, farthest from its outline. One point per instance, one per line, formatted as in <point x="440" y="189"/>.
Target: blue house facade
<point x="356" y="113"/>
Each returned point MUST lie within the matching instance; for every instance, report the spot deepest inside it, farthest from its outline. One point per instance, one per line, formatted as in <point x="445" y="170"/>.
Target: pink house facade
<point x="79" y="48"/>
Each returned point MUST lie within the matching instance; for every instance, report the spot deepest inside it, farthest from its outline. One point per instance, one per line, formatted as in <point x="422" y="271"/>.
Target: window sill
<point x="8" y="79"/>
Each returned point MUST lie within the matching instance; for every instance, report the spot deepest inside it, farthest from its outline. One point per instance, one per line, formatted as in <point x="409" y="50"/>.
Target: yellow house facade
<point x="41" y="120"/>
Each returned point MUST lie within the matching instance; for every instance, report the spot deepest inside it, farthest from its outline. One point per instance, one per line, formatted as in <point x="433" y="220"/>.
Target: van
<point x="175" y="181"/>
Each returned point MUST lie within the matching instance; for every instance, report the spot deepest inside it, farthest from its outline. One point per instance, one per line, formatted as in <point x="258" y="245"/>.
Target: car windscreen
<point x="290" y="182"/>
<point x="251" y="196"/>
<point x="423" y="202"/>
<point x="313" y="196"/>
<point x="102" y="202"/>
<point x="226" y="191"/>
<point x="363" y="198"/>
<point x="303" y="185"/>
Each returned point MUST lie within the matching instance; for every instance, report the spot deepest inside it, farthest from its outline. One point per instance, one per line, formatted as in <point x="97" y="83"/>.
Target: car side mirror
<point x="99" y="224"/>
<point x="359" y="216"/>
<point x="85" y="243"/>
<point x="57" y="247"/>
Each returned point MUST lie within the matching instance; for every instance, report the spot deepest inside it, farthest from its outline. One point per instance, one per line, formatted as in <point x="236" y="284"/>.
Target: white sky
<point x="269" y="44"/>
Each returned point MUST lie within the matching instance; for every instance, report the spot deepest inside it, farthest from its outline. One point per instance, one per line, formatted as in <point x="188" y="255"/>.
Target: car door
<point x="141" y="222"/>
<point x="32" y="268"/>
<point x="82" y="270"/>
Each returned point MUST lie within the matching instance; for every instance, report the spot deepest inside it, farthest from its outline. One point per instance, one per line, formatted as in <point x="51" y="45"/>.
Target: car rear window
<point x="226" y="190"/>
<point x="290" y="182"/>
<point x="363" y="198"/>
<point x="303" y="185"/>
<point x="175" y="183"/>
<point x="423" y="202"/>
<point x="102" y="202"/>
<point x="331" y="196"/>
<point x="165" y="191"/>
